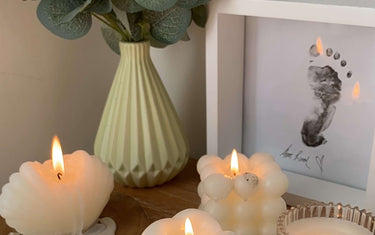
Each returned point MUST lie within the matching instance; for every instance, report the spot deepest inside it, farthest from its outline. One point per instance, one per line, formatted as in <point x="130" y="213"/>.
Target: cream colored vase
<point x="140" y="136"/>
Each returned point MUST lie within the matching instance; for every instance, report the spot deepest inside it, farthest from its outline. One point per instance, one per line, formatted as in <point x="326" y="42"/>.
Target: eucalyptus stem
<point x="105" y="22"/>
<point x="125" y="33"/>
<point x="110" y="23"/>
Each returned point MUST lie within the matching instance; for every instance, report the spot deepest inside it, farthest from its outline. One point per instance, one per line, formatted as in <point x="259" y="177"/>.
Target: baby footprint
<point x="326" y="86"/>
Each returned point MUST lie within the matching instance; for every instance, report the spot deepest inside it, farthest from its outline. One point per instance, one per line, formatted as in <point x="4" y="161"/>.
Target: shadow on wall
<point x="182" y="69"/>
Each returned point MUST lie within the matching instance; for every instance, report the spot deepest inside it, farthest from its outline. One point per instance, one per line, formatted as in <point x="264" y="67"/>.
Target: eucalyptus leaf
<point x="129" y="21"/>
<point x="121" y="16"/>
<point x="145" y="30"/>
<point x="100" y="6"/>
<point x="153" y="17"/>
<point x="79" y="6"/>
<point x="172" y="26"/>
<point x="135" y="27"/>
<point x="186" y="3"/>
<point x="130" y="6"/>
<point x="155" y="43"/>
<point x="112" y="38"/>
<point x="52" y="14"/>
<point x="156" y="5"/>
<point x="186" y="37"/>
<point x="200" y="2"/>
<point x="190" y="3"/>
<point x="200" y="15"/>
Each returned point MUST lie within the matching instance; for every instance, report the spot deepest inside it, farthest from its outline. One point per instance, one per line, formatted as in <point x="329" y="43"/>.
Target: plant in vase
<point x="140" y="136"/>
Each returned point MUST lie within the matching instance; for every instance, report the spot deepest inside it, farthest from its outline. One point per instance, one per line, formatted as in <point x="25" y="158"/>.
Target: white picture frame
<point x="225" y="41"/>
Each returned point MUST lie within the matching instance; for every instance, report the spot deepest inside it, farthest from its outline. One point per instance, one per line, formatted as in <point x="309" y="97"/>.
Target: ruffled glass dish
<point x="319" y="215"/>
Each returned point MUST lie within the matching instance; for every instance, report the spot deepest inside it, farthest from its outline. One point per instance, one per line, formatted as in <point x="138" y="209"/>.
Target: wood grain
<point x="4" y="229"/>
<point x="168" y="199"/>
<point x="128" y="215"/>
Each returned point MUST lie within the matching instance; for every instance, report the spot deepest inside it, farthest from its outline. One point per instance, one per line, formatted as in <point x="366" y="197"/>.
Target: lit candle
<point x="188" y="227"/>
<point x="65" y="196"/>
<point x="325" y="226"/>
<point x="187" y="222"/>
<point x="243" y="194"/>
<point x="325" y="219"/>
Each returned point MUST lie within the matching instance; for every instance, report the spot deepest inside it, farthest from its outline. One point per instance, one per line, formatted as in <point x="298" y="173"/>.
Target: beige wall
<point x="52" y="86"/>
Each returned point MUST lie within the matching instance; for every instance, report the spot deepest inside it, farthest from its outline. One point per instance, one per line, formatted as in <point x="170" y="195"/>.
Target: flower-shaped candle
<point x="63" y="196"/>
<point x="243" y="194"/>
<point x="187" y="222"/>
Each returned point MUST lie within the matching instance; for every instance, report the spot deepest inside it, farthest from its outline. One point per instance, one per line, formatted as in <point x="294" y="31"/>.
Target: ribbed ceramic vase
<point x="140" y="136"/>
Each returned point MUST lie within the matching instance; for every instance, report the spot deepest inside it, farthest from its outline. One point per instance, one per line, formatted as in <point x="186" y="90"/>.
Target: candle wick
<point x="59" y="175"/>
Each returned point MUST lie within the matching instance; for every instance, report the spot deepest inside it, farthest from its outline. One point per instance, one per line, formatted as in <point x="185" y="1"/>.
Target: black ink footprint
<point x="326" y="85"/>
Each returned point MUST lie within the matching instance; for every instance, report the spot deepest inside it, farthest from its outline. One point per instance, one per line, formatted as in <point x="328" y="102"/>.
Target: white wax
<point x="202" y="223"/>
<point x="104" y="226"/>
<point x="247" y="202"/>
<point x="36" y="202"/>
<point x="325" y="226"/>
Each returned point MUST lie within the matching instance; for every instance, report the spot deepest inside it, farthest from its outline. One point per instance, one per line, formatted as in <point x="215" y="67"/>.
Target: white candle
<point x="325" y="226"/>
<point x="104" y="226"/>
<point x="243" y="194"/>
<point x="187" y="222"/>
<point x="67" y="199"/>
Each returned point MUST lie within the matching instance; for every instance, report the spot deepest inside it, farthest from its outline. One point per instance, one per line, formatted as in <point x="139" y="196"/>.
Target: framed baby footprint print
<point x="296" y="79"/>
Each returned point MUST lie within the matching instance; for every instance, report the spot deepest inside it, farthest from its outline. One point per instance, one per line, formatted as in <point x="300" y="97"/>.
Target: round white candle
<point x="201" y="223"/>
<point x="39" y="200"/>
<point x="243" y="194"/>
<point x="325" y="226"/>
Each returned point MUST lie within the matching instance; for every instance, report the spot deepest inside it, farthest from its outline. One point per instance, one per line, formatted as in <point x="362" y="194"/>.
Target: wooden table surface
<point x="168" y="199"/>
<point x="134" y="209"/>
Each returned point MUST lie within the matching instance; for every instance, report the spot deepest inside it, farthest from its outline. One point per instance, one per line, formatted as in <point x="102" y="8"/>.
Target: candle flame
<point x="234" y="162"/>
<point x="319" y="46"/>
<point x="57" y="156"/>
<point x="356" y="91"/>
<point x="188" y="227"/>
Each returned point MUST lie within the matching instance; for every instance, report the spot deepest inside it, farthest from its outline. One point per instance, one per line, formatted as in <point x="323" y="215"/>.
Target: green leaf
<point x="77" y="7"/>
<point x="135" y="27"/>
<point x="130" y="22"/>
<point x="172" y="25"/>
<point x="100" y="6"/>
<point x="201" y="2"/>
<point x="200" y="15"/>
<point x="122" y="16"/>
<point x="186" y="3"/>
<point x="145" y="30"/>
<point x="190" y="3"/>
<point x="186" y="37"/>
<point x="112" y="38"/>
<point x="62" y="18"/>
<point x="130" y="6"/>
<point x="156" y="5"/>
<point x="155" y="43"/>
<point x="153" y="16"/>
